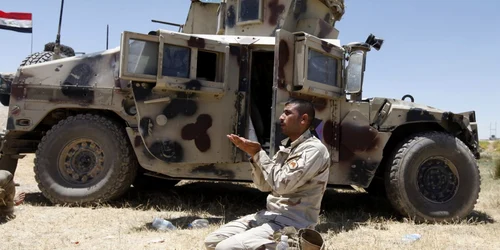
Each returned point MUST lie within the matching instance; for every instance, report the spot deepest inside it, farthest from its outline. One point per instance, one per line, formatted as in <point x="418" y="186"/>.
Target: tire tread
<point x="127" y="169"/>
<point x="393" y="183"/>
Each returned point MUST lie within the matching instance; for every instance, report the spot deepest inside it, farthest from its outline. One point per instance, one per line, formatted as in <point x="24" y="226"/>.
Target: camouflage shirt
<point x="296" y="176"/>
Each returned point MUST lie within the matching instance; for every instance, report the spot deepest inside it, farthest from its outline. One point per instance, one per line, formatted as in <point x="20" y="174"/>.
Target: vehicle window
<point x="249" y="10"/>
<point x="176" y="61"/>
<point x="142" y="57"/>
<point x="322" y="68"/>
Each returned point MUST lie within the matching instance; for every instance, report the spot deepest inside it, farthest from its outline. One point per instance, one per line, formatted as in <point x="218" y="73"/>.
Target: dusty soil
<point x="350" y="220"/>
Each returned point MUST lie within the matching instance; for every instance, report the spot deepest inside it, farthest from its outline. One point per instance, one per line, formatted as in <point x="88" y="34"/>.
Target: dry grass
<point x="491" y="152"/>
<point x="496" y="146"/>
<point x="496" y="166"/>
<point x="349" y="219"/>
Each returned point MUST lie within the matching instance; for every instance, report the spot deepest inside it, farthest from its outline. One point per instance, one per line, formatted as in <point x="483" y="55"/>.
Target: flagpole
<point x="32" y="30"/>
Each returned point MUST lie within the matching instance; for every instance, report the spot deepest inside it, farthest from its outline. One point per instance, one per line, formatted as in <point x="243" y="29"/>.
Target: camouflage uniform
<point x="296" y="177"/>
<point x="7" y="192"/>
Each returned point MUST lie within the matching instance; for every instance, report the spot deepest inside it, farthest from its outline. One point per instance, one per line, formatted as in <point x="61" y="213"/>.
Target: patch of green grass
<point x="484" y="144"/>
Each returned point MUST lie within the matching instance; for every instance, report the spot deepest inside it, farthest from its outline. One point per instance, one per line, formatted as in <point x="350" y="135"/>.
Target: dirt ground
<point x="349" y="220"/>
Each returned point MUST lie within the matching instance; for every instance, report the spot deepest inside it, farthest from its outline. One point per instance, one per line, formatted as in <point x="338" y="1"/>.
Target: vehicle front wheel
<point x="433" y="176"/>
<point x="84" y="159"/>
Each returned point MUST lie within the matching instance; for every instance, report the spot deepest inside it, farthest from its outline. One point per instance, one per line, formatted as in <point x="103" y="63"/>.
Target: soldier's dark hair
<point x="304" y="107"/>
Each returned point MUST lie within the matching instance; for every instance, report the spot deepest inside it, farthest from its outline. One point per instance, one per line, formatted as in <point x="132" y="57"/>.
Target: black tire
<point x="427" y="157"/>
<point x="38" y="57"/>
<point x="101" y="141"/>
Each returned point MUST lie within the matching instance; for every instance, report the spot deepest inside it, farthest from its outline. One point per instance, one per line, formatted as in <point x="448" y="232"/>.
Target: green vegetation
<point x="484" y="145"/>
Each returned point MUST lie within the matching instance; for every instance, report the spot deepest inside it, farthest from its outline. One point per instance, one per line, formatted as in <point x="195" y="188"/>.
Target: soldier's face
<point x="291" y="121"/>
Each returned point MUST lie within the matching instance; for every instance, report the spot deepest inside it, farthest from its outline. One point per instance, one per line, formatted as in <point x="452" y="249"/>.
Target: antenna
<point x="107" y="35"/>
<point x="169" y="23"/>
<point x="57" y="47"/>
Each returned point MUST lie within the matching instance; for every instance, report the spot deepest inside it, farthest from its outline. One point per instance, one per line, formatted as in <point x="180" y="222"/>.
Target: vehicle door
<point x="310" y="68"/>
<point x="182" y="88"/>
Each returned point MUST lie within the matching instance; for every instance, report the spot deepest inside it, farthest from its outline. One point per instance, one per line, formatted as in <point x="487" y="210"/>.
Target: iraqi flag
<point x="16" y="21"/>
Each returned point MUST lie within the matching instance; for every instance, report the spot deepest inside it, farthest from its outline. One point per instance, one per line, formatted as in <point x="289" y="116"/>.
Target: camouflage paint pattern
<point x="183" y="120"/>
<point x="82" y="82"/>
<point x="207" y="13"/>
<point x="265" y="17"/>
<point x="180" y="103"/>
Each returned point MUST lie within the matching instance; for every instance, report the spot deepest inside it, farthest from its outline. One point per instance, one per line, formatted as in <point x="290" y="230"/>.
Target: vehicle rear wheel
<point x="84" y="159"/>
<point x="433" y="176"/>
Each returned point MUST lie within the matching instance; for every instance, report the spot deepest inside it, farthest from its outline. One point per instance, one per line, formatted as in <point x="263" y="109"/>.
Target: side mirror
<point x="355" y="69"/>
<point x="375" y="42"/>
<point x="354" y="72"/>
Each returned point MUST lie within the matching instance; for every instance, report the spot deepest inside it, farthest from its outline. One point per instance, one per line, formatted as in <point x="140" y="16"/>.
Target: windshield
<point x="142" y="57"/>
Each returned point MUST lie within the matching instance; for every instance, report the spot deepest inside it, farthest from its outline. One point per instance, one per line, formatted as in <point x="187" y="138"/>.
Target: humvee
<point x="162" y="103"/>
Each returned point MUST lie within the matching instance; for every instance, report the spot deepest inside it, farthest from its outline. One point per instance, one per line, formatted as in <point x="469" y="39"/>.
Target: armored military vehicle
<point x="162" y="103"/>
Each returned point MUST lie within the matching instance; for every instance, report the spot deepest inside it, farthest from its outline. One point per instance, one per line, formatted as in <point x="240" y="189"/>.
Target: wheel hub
<point x="81" y="161"/>
<point x="437" y="180"/>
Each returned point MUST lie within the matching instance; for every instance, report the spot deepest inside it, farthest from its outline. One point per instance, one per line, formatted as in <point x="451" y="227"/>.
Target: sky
<point x="443" y="52"/>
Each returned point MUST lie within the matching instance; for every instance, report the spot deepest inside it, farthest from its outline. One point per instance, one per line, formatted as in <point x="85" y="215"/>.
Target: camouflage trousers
<point x="252" y="231"/>
<point x="7" y="192"/>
